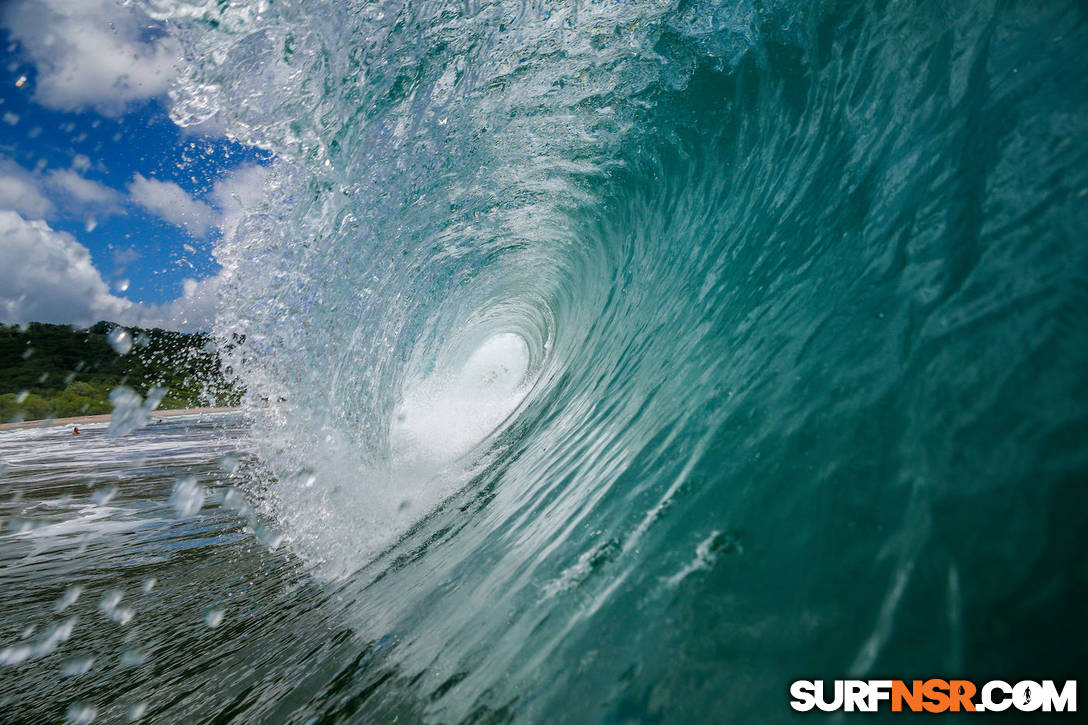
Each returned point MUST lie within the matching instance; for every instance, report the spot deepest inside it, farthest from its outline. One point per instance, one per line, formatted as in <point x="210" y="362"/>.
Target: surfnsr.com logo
<point x="933" y="696"/>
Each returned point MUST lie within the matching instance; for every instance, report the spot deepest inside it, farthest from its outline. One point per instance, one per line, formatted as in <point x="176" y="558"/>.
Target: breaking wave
<point x="650" y="355"/>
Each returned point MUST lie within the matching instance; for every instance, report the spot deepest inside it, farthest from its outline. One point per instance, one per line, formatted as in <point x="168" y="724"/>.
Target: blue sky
<point x="90" y="159"/>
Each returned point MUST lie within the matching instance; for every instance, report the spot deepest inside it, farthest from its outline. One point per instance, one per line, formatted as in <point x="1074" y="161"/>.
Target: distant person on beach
<point x="75" y="430"/>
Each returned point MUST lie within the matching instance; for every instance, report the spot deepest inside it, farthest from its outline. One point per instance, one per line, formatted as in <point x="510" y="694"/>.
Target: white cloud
<point x="36" y="196"/>
<point x="47" y="276"/>
<point x="98" y="53"/>
<point x="21" y="191"/>
<point x="81" y="189"/>
<point x="232" y="195"/>
<point x="171" y="203"/>
<point x="85" y="194"/>
<point x="194" y="310"/>
<point x="238" y="192"/>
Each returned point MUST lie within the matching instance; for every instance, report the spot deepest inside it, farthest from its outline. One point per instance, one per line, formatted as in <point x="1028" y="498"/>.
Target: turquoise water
<point x="641" y="358"/>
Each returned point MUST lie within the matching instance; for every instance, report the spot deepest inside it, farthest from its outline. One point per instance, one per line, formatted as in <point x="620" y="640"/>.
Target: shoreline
<point x="105" y="418"/>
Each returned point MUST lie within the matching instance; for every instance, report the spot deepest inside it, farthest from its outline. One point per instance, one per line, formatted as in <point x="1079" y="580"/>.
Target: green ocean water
<point x="642" y="358"/>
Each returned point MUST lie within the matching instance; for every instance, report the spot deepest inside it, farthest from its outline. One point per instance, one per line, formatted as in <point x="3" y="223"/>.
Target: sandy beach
<point x="105" y="418"/>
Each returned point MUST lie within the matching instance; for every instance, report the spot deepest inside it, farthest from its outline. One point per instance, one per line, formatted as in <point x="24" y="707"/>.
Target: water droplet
<point x="129" y="413"/>
<point x="54" y="638"/>
<point x="20" y="82"/>
<point x="21" y="525"/>
<point x="108" y="605"/>
<point x="269" y="538"/>
<point x="76" y="666"/>
<point x="148" y="584"/>
<point x="121" y="285"/>
<point x="103" y="496"/>
<point x="110" y="600"/>
<point x="136" y="711"/>
<point x="133" y="658"/>
<point x="89" y="223"/>
<point x="229" y="463"/>
<point x="213" y="618"/>
<point x="15" y="655"/>
<point x="120" y="340"/>
<point x="43" y="377"/>
<point x="71" y="594"/>
<point x="233" y="500"/>
<point x="154" y="397"/>
<point x="80" y="713"/>
<point x="188" y="497"/>
<point x="21" y="395"/>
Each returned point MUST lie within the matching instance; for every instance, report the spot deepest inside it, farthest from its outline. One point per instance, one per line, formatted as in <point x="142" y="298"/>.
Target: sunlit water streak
<point x="636" y="358"/>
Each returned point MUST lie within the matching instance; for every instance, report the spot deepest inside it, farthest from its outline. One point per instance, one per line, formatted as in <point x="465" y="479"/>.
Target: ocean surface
<point x="636" y="358"/>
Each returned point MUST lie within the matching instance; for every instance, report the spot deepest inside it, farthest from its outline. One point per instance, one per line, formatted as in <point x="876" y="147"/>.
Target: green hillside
<point x="58" y="370"/>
